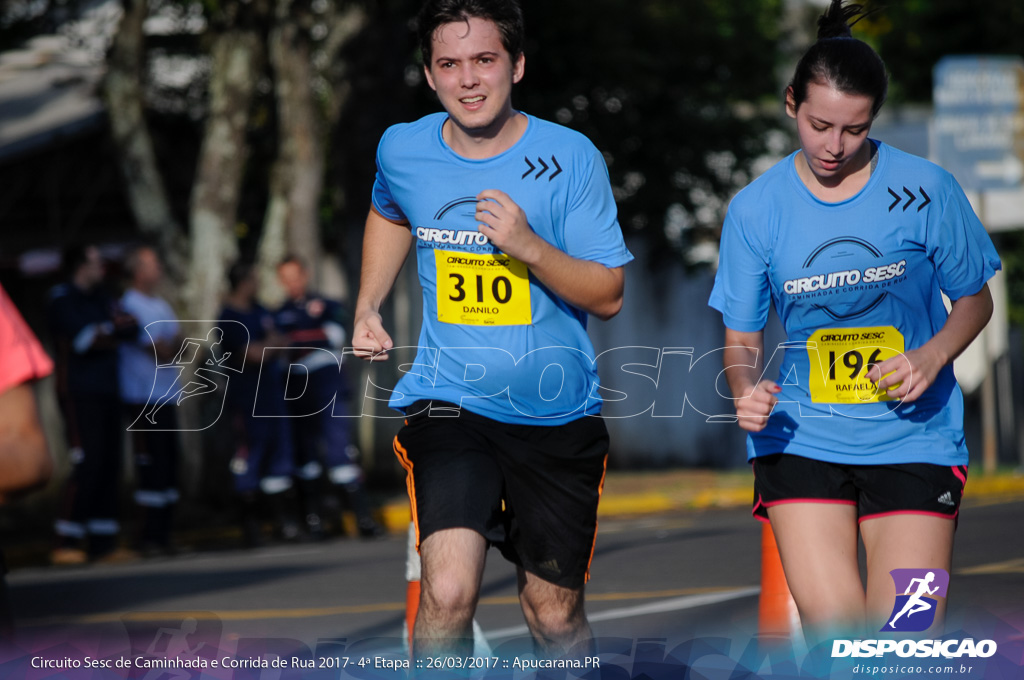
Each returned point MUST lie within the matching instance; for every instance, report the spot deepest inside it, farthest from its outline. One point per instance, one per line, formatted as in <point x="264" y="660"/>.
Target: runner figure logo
<point x="197" y="370"/>
<point x="914" y="610"/>
<point x="172" y="646"/>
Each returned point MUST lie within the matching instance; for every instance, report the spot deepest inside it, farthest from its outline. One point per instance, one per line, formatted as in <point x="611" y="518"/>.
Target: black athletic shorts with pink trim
<point x="530" y="490"/>
<point x="875" y="490"/>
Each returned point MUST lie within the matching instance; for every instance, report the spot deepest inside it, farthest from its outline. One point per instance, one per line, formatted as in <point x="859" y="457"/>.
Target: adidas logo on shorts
<point x="550" y="565"/>
<point x="946" y="499"/>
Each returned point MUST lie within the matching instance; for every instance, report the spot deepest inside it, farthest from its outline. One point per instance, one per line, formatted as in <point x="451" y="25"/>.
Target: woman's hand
<point x="754" y="408"/>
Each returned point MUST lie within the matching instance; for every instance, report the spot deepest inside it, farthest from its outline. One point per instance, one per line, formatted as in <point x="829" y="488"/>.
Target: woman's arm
<point x="909" y="375"/>
<point x="744" y="363"/>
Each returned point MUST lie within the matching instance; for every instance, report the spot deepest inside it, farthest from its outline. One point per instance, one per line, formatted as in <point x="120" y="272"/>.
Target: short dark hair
<point x="73" y="257"/>
<point x="239" y="271"/>
<point x="839" y="60"/>
<point x="506" y="15"/>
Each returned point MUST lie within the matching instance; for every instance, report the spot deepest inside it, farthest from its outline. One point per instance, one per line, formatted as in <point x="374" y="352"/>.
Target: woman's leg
<point x="904" y="541"/>
<point x="818" y="546"/>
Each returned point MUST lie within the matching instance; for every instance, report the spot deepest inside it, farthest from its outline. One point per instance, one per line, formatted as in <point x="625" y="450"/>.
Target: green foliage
<point x="1011" y="250"/>
<point x="913" y="35"/>
<point x="678" y="95"/>
<point x="24" y="19"/>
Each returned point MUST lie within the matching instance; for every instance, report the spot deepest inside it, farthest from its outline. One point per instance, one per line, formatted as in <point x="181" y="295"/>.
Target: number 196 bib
<point x="839" y="357"/>
<point x="482" y="289"/>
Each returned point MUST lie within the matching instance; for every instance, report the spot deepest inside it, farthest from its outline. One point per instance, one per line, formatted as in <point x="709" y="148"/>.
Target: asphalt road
<point x="658" y="582"/>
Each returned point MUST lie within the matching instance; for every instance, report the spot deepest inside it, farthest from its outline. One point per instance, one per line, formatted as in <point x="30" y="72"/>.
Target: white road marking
<point x="671" y="605"/>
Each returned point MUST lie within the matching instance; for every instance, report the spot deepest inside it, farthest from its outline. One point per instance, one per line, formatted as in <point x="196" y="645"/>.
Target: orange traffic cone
<point x="777" y="615"/>
<point x="481" y="648"/>
<point x="412" y="606"/>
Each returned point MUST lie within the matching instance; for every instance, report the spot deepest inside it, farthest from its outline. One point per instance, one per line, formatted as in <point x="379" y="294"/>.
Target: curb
<point x="689" y="490"/>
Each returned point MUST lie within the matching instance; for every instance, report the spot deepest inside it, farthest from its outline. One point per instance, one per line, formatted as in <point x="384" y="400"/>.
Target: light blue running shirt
<point x="850" y="281"/>
<point x="494" y="340"/>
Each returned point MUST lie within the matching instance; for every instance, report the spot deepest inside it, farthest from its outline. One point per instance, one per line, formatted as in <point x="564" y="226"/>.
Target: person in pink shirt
<point x="25" y="462"/>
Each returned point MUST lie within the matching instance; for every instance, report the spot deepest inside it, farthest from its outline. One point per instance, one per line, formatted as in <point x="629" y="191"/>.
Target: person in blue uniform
<point x="155" y="448"/>
<point x="87" y="326"/>
<point x="316" y="330"/>
<point x="263" y="463"/>
<point x="517" y="242"/>
<point x="857" y="423"/>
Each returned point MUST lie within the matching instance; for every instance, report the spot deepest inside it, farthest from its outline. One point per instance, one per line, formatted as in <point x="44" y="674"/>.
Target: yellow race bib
<point x="839" y="358"/>
<point x="482" y="289"/>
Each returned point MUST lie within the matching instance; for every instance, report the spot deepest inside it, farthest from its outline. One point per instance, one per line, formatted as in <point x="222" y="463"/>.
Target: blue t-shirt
<point x="139" y="377"/>
<point x="874" y="262"/>
<point x="494" y="340"/>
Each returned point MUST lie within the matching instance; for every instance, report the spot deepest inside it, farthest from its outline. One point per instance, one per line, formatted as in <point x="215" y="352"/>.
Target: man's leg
<point x="553" y="481"/>
<point x="452" y="563"/>
<point x="555" y="615"/>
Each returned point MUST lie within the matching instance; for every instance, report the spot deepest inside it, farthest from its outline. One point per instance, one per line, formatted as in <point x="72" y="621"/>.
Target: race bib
<point x="478" y="289"/>
<point x="839" y="357"/>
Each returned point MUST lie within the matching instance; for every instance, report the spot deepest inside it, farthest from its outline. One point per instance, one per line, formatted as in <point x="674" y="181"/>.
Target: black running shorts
<point x="875" y="490"/>
<point x="530" y="490"/>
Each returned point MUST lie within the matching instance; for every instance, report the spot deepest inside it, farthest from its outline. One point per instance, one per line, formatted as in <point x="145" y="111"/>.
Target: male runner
<point x="517" y="241"/>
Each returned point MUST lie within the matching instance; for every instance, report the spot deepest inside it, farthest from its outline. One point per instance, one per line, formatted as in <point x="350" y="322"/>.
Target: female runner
<point x="852" y="241"/>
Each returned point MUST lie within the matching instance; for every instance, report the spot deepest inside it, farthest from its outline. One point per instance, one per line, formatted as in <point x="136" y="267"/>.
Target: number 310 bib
<point x="482" y="289"/>
<point x="839" y="357"/>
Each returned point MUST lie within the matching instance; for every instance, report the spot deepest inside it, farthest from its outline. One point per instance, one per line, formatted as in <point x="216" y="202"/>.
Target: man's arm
<point x="25" y="462"/>
<point x="591" y="286"/>
<point x="385" y="246"/>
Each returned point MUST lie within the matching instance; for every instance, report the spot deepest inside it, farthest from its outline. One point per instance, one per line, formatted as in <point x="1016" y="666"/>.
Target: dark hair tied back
<point x="835" y="22"/>
<point x="840" y="61"/>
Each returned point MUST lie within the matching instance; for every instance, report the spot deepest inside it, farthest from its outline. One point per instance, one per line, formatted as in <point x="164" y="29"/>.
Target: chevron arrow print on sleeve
<point x="530" y="167"/>
<point x="911" y="198"/>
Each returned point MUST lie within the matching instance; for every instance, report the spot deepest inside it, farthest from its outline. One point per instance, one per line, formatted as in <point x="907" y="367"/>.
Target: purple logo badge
<point x="916" y="590"/>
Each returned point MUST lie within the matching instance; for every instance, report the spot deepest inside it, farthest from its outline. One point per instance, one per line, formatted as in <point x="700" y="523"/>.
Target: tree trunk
<point x="344" y="26"/>
<point x="237" y="57"/>
<point x="122" y="93"/>
<point x="292" y="223"/>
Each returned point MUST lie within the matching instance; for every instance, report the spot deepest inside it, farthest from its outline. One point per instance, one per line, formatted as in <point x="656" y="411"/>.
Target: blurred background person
<point x="155" y="446"/>
<point x="315" y="327"/>
<point x="25" y="461"/>
<point x="87" y="327"/>
<point x="263" y="462"/>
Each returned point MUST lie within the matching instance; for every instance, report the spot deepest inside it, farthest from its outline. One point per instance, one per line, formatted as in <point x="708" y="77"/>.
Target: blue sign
<point x="979" y="120"/>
